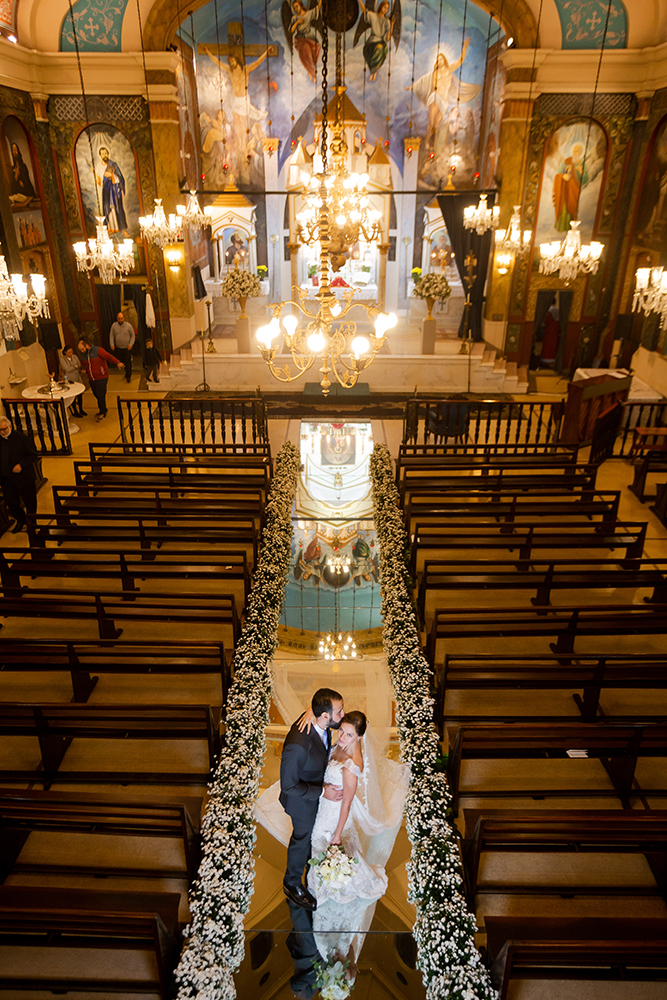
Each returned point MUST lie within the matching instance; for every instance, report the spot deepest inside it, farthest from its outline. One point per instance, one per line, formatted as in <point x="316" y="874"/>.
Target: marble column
<point x="382" y="274"/>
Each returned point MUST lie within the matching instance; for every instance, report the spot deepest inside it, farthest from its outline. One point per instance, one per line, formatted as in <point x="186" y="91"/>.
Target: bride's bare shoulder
<point x="358" y="758"/>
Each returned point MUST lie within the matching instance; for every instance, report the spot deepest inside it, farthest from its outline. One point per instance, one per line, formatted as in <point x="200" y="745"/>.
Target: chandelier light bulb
<point x="360" y="347"/>
<point x="651" y="291"/>
<point x="316" y="342"/>
<point x="341" y="220"/>
<point x="336" y="309"/>
<point x="290" y="322"/>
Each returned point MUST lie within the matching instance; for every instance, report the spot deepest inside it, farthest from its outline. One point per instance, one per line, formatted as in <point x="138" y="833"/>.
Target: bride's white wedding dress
<point x="368" y="881"/>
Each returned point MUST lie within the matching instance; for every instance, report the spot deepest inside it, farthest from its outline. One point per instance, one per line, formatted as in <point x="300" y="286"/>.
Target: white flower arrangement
<point x="333" y="980"/>
<point x="239" y="282"/>
<point x="221" y="893"/>
<point x="444" y="929"/>
<point x="333" y="867"/>
<point x="432" y="286"/>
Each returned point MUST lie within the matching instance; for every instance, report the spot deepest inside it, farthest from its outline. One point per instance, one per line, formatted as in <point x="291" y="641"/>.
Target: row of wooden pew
<point x="543" y="704"/>
<point x="148" y="543"/>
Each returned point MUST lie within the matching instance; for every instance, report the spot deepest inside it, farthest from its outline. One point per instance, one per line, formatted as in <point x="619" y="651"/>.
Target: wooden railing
<point x="474" y="421"/>
<point x="638" y="415"/>
<point x="234" y="424"/>
<point x="44" y="420"/>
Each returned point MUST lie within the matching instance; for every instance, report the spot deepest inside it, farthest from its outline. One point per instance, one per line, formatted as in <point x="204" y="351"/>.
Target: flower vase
<point x="429" y="305"/>
<point x="242" y="301"/>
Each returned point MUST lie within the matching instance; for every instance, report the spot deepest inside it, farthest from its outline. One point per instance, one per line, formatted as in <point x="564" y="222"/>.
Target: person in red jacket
<point x="95" y="363"/>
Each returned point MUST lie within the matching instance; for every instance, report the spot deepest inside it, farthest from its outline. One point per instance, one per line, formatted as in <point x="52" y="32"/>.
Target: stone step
<point x="499" y="364"/>
<point x="489" y="356"/>
<point x="511" y="369"/>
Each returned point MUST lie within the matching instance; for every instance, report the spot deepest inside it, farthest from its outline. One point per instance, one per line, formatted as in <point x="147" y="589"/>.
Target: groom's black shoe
<point x="299" y="895"/>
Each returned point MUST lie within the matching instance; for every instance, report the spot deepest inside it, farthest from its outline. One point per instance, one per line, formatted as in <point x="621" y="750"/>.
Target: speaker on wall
<point x="49" y="335"/>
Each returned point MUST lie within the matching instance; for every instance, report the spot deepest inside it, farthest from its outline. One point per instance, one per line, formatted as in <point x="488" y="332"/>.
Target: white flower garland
<point x="239" y="282"/>
<point x="432" y="286"/>
<point x="220" y="896"/>
<point x="444" y="930"/>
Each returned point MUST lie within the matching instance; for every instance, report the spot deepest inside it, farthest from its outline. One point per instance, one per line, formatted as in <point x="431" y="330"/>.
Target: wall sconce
<point x="173" y="258"/>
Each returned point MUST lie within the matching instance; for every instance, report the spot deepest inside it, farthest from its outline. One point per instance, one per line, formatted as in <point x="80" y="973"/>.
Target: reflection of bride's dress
<point x="368" y="881"/>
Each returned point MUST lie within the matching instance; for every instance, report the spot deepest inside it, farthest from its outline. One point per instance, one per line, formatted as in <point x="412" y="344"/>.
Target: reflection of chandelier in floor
<point x="338" y="646"/>
<point x="339" y="564"/>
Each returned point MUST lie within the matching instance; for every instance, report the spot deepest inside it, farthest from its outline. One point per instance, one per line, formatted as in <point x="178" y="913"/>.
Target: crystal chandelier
<point x="160" y="230"/>
<point x="513" y="240"/>
<point x="16" y="304"/>
<point x="191" y="214"/>
<point x="339" y="564"/>
<point x="651" y="291"/>
<point x="102" y="253"/>
<point x="481" y="217"/>
<point x="338" y="646"/>
<point x="570" y="257"/>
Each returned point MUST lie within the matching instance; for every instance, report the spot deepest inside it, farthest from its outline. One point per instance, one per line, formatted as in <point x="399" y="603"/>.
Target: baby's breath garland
<point x="444" y="930"/>
<point x="239" y="283"/>
<point x="432" y="286"/>
<point x="220" y="896"/>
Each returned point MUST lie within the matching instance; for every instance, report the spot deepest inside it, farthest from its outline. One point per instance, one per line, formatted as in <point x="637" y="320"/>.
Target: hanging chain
<point x="268" y="71"/>
<point x="339" y="74"/>
<point x="85" y="108"/>
<point x="595" y="91"/>
<point x="220" y="88"/>
<point x="414" y="51"/>
<point x="458" y="93"/>
<point x="325" y="96"/>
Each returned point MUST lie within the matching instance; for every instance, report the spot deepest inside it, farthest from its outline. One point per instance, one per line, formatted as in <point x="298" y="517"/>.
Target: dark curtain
<point x="198" y="282"/>
<point x="138" y="296"/>
<point x="565" y="299"/>
<point x="465" y="240"/>
<point x="545" y="299"/>
<point x="108" y="297"/>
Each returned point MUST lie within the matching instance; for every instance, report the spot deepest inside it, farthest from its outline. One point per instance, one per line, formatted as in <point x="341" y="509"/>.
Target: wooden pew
<point x="168" y="473"/>
<point x="589" y="673"/>
<point x="565" y="831"/>
<point x="107" y="607"/>
<point x="412" y="455"/>
<point x="157" y="502"/>
<point x="543" y="576"/>
<point x="215" y="454"/>
<point x="85" y="661"/>
<point x="129" y="567"/>
<point x="618" y="746"/>
<point x="585" y="948"/>
<point x="565" y="624"/>
<point x="527" y="537"/>
<point x="78" y="920"/>
<point x="418" y="474"/>
<point x="146" y="533"/>
<point x="55" y="726"/>
<point x="514" y="506"/>
<point x="26" y="812"/>
<point x="653" y="461"/>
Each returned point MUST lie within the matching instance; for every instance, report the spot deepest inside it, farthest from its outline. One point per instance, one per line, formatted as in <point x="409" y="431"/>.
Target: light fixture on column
<point x="570" y="257"/>
<point x="102" y="253"/>
<point x="480" y="217"/>
<point x="159" y="229"/>
<point x="191" y="214"/>
<point x="17" y="303"/>
<point x="651" y="291"/>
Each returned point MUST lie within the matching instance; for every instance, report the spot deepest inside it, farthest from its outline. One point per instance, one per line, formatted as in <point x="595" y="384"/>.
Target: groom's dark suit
<point x="302" y="768"/>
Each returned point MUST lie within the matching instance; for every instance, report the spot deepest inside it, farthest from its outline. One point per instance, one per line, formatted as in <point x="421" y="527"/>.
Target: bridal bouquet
<point x="432" y="286"/>
<point x="332" y="980"/>
<point x="333" y="867"/>
<point x="238" y="283"/>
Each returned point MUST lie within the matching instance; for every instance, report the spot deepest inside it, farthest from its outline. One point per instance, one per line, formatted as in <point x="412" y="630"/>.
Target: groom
<point x="302" y="768"/>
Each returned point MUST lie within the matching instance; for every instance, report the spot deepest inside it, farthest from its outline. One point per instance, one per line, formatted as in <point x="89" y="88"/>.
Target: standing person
<point x="70" y="366"/>
<point x="17" y="473"/>
<point x="302" y="768"/>
<point x="96" y="366"/>
<point x="121" y="340"/>
<point x="152" y="361"/>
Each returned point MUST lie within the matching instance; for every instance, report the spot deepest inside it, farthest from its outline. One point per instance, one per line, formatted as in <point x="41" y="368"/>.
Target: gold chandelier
<point x="331" y="219"/>
<point x="338" y="646"/>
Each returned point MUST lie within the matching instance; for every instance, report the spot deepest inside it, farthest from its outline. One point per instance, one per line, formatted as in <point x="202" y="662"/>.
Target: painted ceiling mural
<point x="99" y="25"/>
<point x="432" y="76"/>
<point x="582" y="23"/>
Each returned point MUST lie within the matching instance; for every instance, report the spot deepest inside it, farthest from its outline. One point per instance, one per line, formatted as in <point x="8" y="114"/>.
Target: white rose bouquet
<point x="333" y="980"/>
<point x="240" y="283"/>
<point x="432" y="286"/>
<point x="333" y="867"/>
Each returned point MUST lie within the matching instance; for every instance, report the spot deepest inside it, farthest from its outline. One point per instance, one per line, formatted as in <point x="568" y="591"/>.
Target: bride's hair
<point x="358" y="720"/>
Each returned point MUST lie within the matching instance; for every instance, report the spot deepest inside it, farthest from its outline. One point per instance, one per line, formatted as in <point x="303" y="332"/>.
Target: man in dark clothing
<point x="17" y="473"/>
<point x="302" y="767"/>
<point x="96" y="366"/>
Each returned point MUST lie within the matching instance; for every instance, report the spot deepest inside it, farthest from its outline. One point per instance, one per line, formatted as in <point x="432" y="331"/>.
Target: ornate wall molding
<point x="100" y="109"/>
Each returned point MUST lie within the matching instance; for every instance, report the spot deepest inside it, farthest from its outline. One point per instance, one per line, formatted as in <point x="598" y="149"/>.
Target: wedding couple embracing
<point x="341" y="792"/>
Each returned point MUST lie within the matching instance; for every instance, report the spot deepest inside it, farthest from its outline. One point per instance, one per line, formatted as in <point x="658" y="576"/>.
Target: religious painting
<point x="338" y="447"/>
<point x="234" y="244"/>
<point x="29" y="228"/>
<point x="651" y="227"/>
<point x="23" y="193"/>
<point x="574" y="162"/>
<point x="494" y="88"/>
<point x="583" y="24"/>
<point x="99" y="26"/>
<point x="441" y="252"/>
<point x="106" y="168"/>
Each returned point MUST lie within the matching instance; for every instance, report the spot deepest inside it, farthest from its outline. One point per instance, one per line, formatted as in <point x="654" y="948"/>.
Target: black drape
<point x="464" y="240"/>
<point x="565" y="299"/>
<point x="198" y="282"/>
<point x="545" y="299"/>
<point x="108" y="297"/>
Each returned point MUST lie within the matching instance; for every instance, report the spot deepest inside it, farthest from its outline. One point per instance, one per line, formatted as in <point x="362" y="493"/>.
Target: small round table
<point x="68" y="393"/>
